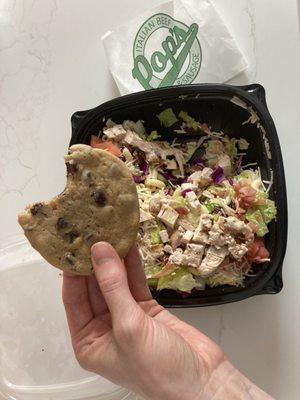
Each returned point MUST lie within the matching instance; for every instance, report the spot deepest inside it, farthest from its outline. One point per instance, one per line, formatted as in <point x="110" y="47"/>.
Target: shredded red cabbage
<point x="218" y="175"/>
<point x="230" y="181"/>
<point x="143" y="166"/>
<point x="169" y="176"/>
<point x="138" y="178"/>
<point x="185" y="191"/>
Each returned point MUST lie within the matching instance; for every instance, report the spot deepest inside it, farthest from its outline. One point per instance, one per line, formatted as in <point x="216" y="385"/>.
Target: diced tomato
<point x="258" y="251"/>
<point x="107" y="145"/>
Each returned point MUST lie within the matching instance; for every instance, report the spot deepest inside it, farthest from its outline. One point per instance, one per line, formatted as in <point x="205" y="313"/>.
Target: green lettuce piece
<point x="152" y="282"/>
<point x="231" y="149"/>
<point x="152" y="136"/>
<point x="268" y="211"/>
<point x="190" y="149"/>
<point x="188" y="119"/>
<point x="154" y="235"/>
<point x="216" y="217"/>
<point x="255" y="216"/>
<point x="180" y="279"/>
<point x="177" y="196"/>
<point x="167" y="117"/>
<point x="209" y="205"/>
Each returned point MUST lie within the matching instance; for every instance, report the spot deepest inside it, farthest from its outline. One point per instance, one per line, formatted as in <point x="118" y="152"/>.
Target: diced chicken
<point x="176" y="237"/>
<point x="164" y="236"/>
<point x="117" y="133"/>
<point x="176" y="257"/>
<point x="237" y="250"/>
<point x="236" y="226"/>
<point x="187" y="237"/>
<point x="200" y="237"/>
<point x="152" y="156"/>
<point x="186" y="225"/>
<point x="216" y="236"/>
<point x="214" y="257"/>
<point x="205" y="221"/>
<point x="180" y="160"/>
<point x="193" y="201"/>
<point x="225" y="163"/>
<point x="132" y="139"/>
<point x="188" y="185"/>
<point x="168" y="216"/>
<point x="155" y="205"/>
<point x="145" y="216"/>
<point x="215" y="147"/>
<point x="201" y="178"/>
<point x="168" y="249"/>
<point x="171" y="164"/>
<point x="193" y="254"/>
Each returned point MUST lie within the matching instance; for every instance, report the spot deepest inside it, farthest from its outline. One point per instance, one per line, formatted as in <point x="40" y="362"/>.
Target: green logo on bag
<point x="166" y="52"/>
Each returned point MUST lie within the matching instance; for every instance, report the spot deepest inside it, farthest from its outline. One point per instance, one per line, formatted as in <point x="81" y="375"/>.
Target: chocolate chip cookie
<point x="99" y="203"/>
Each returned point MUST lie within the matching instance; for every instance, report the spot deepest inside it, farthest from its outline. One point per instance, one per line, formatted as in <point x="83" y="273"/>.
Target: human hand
<point x="121" y="333"/>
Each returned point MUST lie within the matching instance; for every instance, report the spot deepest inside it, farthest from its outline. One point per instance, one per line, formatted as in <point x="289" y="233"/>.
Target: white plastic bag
<point x="178" y="42"/>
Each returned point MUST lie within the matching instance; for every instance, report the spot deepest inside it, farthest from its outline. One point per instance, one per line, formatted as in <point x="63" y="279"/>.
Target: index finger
<point x="76" y="301"/>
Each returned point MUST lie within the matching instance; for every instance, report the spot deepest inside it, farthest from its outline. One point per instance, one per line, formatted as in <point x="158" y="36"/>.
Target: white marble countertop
<point x="52" y="63"/>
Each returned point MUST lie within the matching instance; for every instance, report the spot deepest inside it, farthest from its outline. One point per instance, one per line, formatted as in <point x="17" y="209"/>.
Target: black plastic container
<point x="216" y="105"/>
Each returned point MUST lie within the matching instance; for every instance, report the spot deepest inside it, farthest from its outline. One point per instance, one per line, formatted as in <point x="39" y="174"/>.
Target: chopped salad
<point x="203" y="214"/>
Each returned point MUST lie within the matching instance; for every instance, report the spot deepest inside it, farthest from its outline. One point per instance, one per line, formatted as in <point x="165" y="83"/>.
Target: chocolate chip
<point x="61" y="224"/>
<point x="36" y="208"/>
<point x="72" y="167"/>
<point x="99" y="196"/>
<point x="72" y="236"/>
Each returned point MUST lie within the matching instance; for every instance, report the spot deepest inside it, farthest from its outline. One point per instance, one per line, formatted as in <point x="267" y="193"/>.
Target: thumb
<point x="112" y="279"/>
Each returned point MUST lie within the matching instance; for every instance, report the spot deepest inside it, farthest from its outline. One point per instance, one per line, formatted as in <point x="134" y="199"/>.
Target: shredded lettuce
<point x="191" y="148"/>
<point x="152" y="282"/>
<point x="252" y="177"/>
<point x="188" y="119"/>
<point x="177" y="196"/>
<point x="167" y="117"/>
<point x="137" y="127"/>
<point x="255" y="216"/>
<point x="209" y="205"/>
<point x="180" y="279"/>
<point x="154" y="236"/>
<point x="152" y="136"/>
<point x="268" y="211"/>
<point x="230" y="147"/>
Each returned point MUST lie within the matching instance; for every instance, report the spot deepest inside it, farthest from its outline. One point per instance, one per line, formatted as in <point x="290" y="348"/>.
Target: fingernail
<point x="102" y="253"/>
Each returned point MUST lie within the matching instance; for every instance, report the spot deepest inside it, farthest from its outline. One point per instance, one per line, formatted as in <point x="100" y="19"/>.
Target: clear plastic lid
<point x="36" y="356"/>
